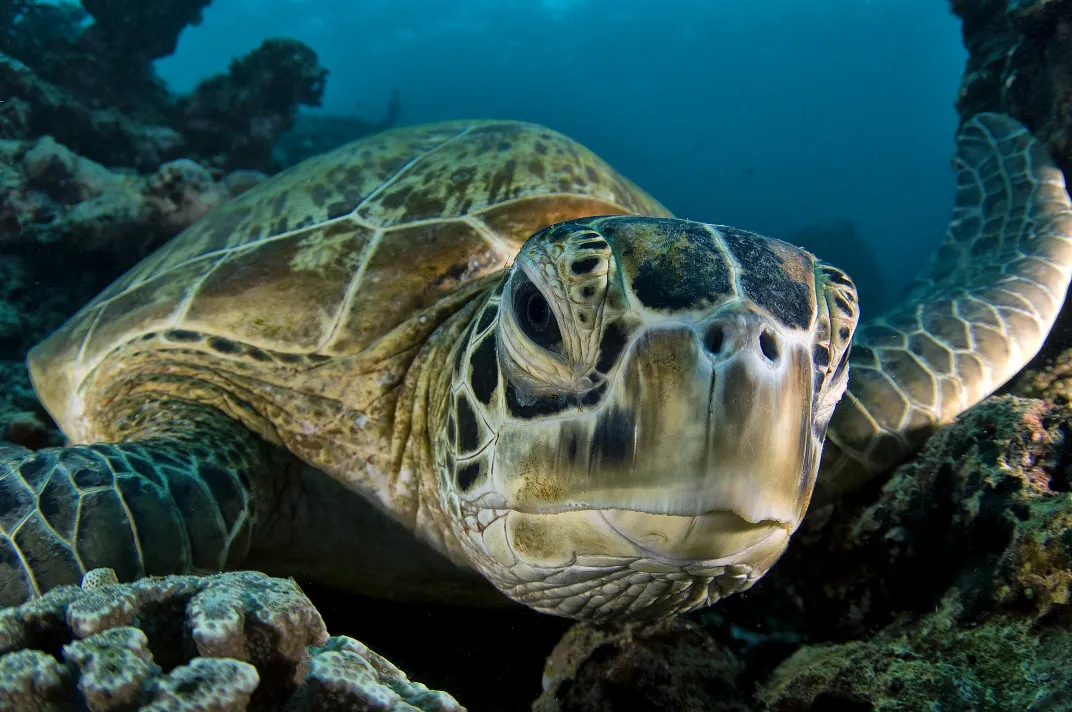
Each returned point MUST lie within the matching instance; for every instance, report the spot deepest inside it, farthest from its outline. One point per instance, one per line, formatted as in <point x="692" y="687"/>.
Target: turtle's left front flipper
<point x="177" y="499"/>
<point x="977" y="313"/>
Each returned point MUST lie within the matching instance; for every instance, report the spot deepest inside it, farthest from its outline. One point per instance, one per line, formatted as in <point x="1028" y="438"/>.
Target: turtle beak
<point x="702" y="447"/>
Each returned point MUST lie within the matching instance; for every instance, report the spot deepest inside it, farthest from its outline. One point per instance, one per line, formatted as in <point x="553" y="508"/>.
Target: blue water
<point x="767" y="115"/>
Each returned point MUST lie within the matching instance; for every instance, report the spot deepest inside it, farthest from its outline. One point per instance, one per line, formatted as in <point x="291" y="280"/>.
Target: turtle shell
<point x="333" y="253"/>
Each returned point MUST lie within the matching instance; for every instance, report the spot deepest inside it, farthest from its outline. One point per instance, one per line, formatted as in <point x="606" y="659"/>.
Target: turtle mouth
<point x="616" y="564"/>
<point x="684" y="543"/>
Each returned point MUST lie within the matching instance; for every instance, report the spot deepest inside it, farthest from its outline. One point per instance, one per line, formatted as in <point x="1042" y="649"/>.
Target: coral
<point x="52" y="195"/>
<point x="671" y="665"/>
<point x="226" y="642"/>
<point x="143" y="29"/>
<point x="37" y="107"/>
<point x="235" y="118"/>
<point x="95" y="90"/>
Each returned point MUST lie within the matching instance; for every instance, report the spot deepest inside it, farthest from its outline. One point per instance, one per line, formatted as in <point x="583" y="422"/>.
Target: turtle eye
<point x="535" y="316"/>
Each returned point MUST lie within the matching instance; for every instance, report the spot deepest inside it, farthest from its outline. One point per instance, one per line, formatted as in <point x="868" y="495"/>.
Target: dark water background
<point x="771" y="115"/>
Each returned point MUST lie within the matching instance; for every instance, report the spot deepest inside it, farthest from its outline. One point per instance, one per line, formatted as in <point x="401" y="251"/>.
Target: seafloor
<point x="946" y="587"/>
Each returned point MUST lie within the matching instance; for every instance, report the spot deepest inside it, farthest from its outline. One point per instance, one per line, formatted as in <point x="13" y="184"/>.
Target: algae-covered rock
<point x="934" y="663"/>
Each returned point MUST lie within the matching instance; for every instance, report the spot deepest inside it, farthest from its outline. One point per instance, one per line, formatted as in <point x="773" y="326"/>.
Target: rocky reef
<point x="93" y="87"/>
<point x="235" y="641"/>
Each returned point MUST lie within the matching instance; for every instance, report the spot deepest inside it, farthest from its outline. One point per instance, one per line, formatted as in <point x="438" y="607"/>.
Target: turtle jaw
<point x="602" y="565"/>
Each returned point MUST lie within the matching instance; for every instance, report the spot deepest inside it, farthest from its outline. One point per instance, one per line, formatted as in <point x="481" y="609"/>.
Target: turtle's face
<point x="638" y="413"/>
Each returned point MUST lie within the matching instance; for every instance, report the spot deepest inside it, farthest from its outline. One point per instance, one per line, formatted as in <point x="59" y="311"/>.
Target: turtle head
<point x="637" y="414"/>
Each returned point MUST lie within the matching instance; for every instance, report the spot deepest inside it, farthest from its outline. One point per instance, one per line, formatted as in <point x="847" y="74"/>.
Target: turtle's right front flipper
<point x="176" y="500"/>
<point x="978" y="312"/>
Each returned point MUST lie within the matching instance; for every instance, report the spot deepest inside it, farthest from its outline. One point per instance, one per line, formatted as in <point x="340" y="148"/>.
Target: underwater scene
<point x="550" y="355"/>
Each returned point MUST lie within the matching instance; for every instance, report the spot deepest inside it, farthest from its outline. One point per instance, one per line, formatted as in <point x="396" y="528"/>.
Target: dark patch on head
<point x="284" y="357"/>
<point x="610" y="346"/>
<point x="819" y="380"/>
<point x="676" y="264"/>
<point x="842" y="304"/>
<point x="765" y="282"/>
<point x="591" y="173"/>
<point x="540" y="148"/>
<point x="222" y="345"/>
<point x="486" y="319"/>
<point x="149" y="336"/>
<point x="843" y="364"/>
<point x="588" y="291"/>
<point x="484" y="370"/>
<point x="182" y="335"/>
<point x="526" y="407"/>
<point x="843" y="333"/>
<point x="459" y="356"/>
<point x="837" y="277"/>
<point x="821" y="356"/>
<point x="319" y="358"/>
<point x="612" y="440"/>
<point x="452" y="430"/>
<point x="573" y="445"/>
<point x="468" y="431"/>
<point x="585" y="265"/>
<point x="594" y="396"/>
<point x="593" y="245"/>
<point x="568" y="228"/>
<point x="468" y="475"/>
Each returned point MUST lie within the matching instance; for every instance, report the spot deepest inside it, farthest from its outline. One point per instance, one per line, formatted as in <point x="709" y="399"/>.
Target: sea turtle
<point x="475" y="347"/>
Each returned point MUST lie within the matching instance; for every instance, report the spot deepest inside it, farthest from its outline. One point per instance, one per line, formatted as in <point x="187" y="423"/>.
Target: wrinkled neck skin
<point x="428" y="385"/>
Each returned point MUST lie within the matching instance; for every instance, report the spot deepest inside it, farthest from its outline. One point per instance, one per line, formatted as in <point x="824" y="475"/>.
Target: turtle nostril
<point x="714" y="338"/>
<point x="768" y="345"/>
